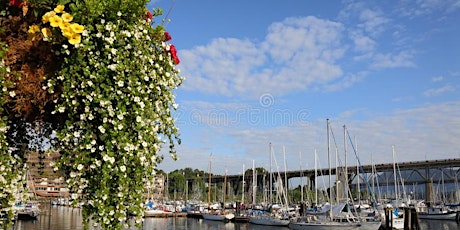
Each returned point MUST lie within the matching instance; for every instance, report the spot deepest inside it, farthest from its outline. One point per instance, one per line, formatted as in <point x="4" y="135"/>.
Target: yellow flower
<point x="46" y="32"/>
<point x="64" y="26"/>
<point x="66" y="17"/>
<point x="33" y="29"/>
<point x="77" y="28"/>
<point x="75" y="39"/>
<point x="47" y="16"/>
<point x="55" y="21"/>
<point x="68" y="33"/>
<point x="59" y="9"/>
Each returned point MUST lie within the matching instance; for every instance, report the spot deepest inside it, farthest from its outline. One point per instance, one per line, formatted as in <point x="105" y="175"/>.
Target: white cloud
<point x="296" y="54"/>
<point x="389" y="60"/>
<point x="346" y="82"/>
<point x="420" y="8"/>
<point x="438" y="91"/>
<point x="361" y="42"/>
<point x="437" y="79"/>
<point x="454" y="73"/>
<point x="373" y="22"/>
<point x="429" y="131"/>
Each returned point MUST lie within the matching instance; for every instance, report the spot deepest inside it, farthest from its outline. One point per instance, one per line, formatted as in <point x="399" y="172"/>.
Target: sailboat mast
<point x="301" y="177"/>
<point x="242" y="196"/>
<point x="357" y="173"/>
<point x="346" y="159"/>
<point x="330" y="170"/>
<point x="285" y="178"/>
<point x="254" y="181"/>
<point x="271" y="175"/>
<point x="209" y="185"/>
<point x="394" y="173"/>
<point x="316" y="181"/>
<point x="373" y="174"/>
<point x="337" y="178"/>
<point x="225" y="188"/>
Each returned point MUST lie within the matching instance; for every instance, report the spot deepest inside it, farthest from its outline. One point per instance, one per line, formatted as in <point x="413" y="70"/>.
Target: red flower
<point x="167" y="36"/>
<point x="17" y="3"/>
<point x="173" y="51"/>
<point x="149" y="15"/>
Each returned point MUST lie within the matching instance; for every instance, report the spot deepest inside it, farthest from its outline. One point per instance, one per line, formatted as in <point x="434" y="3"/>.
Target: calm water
<point x="65" y="218"/>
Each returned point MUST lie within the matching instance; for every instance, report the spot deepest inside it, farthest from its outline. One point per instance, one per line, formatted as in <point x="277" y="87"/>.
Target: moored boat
<point x="438" y="212"/>
<point x="27" y="211"/>
<point x="268" y="220"/>
<point x="218" y="216"/>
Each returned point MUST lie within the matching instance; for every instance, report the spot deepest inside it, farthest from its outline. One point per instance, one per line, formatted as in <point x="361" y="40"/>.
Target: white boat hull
<point x="323" y="226"/>
<point x="370" y="225"/>
<point x="218" y="217"/>
<point x="438" y="216"/>
<point x="269" y="221"/>
<point x="207" y="216"/>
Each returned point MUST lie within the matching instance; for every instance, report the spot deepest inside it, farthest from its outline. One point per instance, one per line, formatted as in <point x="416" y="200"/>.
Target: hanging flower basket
<point x="95" y="81"/>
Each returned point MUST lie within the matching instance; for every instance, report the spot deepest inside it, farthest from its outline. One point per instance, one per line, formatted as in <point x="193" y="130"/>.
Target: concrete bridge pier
<point x="428" y="185"/>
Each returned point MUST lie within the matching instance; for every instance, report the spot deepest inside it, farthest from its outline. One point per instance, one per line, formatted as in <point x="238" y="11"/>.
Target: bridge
<point x="414" y="172"/>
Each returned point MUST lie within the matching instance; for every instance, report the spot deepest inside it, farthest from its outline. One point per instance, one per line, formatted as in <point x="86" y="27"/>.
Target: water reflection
<point x="53" y="217"/>
<point x="66" y="218"/>
<point x="439" y="224"/>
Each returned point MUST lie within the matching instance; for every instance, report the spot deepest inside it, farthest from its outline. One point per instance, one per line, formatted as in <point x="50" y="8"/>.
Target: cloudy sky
<point x="272" y="71"/>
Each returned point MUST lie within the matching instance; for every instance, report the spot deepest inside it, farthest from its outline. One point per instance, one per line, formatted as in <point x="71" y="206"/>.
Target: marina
<point x="378" y="197"/>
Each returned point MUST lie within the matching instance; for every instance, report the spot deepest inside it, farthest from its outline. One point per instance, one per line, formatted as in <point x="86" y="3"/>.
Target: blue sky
<point x="266" y="71"/>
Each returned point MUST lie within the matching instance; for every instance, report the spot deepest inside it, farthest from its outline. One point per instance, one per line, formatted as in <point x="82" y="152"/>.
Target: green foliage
<point x="11" y="168"/>
<point x="115" y="92"/>
<point x="92" y="10"/>
<point x="176" y="182"/>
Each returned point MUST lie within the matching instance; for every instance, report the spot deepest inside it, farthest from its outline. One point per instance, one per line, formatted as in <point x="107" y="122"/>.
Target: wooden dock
<point x="166" y="215"/>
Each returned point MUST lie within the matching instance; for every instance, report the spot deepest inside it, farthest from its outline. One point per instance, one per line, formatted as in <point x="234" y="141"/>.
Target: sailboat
<point x="27" y="209"/>
<point x="436" y="212"/>
<point x="215" y="213"/>
<point x="276" y="215"/>
<point x="332" y="216"/>
<point x="397" y="218"/>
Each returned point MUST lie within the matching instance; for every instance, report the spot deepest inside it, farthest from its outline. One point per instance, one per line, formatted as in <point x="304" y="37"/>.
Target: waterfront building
<point x="42" y="180"/>
<point x="156" y="188"/>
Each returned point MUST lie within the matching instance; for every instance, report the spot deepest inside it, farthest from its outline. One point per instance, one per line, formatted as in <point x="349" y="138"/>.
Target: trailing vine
<point x="96" y="85"/>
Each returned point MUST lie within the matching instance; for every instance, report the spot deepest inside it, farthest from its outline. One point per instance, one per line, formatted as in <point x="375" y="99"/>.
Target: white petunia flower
<point x="113" y="67"/>
<point x="141" y="104"/>
<point x="101" y="128"/>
